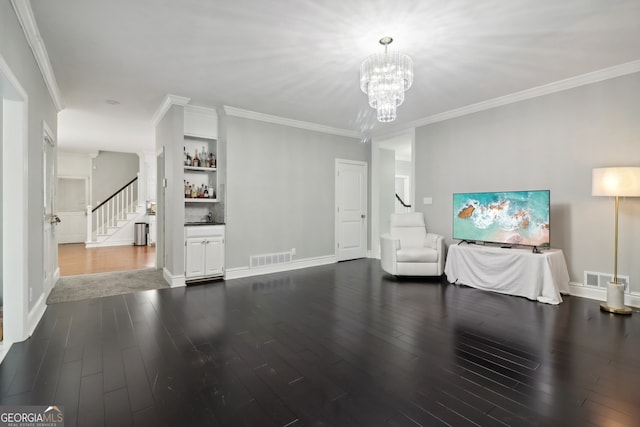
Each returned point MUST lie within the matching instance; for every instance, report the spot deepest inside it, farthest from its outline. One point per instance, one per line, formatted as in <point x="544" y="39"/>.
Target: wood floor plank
<point x="91" y="402"/>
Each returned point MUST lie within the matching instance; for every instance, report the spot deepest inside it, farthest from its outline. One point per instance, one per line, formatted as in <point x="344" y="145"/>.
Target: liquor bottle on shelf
<point x="196" y="160"/>
<point x="206" y="192"/>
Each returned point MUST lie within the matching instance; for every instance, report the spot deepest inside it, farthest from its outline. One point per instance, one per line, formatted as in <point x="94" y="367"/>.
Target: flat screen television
<point x="506" y="217"/>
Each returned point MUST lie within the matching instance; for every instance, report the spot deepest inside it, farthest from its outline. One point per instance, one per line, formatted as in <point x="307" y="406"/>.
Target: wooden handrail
<point x="114" y="194"/>
<point x="402" y="201"/>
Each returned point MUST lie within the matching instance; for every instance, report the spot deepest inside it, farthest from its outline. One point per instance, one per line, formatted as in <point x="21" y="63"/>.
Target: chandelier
<point x="384" y="77"/>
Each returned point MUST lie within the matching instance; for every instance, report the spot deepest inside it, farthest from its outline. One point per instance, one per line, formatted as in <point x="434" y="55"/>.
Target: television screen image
<point x="508" y="217"/>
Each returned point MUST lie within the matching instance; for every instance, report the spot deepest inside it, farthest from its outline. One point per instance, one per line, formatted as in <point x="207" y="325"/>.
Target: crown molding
<point x="167" y="102"/>
<point x="30" y="28"/>
<point x="559" y="86"/>
<point x="246" y="114"/>
<point x="200" y="110"/>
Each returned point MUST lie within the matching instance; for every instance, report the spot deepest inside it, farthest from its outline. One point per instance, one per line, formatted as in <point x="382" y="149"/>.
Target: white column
<point x="89" y="223"/>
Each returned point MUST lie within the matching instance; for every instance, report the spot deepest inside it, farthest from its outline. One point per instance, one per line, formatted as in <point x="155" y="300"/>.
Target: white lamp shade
<point x="622" y="181"/>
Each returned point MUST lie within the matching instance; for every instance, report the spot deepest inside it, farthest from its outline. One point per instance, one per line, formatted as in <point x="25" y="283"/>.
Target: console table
<point x="536" y="276"/>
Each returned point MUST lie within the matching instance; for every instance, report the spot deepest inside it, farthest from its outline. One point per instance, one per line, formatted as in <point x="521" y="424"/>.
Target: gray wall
<point x="19" y="57"/>
<point x="280" y="188"/>
<point x="550" y="142"/>
<point x="110" y="172"/>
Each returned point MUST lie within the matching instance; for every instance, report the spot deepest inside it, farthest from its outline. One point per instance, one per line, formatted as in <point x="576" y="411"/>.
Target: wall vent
<point x="256" y="261"/>
<point x="596" y="279"/>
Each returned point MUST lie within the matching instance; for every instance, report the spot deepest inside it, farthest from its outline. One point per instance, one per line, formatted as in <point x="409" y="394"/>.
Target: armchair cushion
<point x="417" y="255"/>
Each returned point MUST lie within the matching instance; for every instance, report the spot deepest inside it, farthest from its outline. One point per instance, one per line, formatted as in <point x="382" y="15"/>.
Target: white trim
<point x="241" y="272"/>
<point x="167" y="102"/>
<point x="127" y="242"/>
<point x="15" y="226"/>
<point x="173" y="281"/>
<point x="4" y="349"/>
<point x="197" y="109"/>
<point x="36" y="313"/>
<point x="246" y="114"/>
<point x="547" y="89"/>
<point x="32" y="34"/>
<point x="579" y="290"/>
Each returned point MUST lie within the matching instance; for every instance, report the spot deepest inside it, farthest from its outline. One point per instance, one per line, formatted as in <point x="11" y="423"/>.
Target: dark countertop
<point x="195" y="224"/>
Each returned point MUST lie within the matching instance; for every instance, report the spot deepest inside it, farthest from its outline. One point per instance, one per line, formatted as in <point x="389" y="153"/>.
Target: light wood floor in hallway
<point x="74" y="258"/>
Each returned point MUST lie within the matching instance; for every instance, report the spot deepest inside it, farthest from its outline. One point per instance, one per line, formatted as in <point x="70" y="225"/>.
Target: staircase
<point x="111" y="223"/>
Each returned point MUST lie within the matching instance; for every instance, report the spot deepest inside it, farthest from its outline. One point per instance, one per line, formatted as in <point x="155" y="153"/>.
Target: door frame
<point x="365" y="233"/>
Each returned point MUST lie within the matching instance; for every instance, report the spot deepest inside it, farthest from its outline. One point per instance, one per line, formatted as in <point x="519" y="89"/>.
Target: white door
<point x="351" y="210"/>
<point x="71" y="204"/>
<point x="50" y="219"/>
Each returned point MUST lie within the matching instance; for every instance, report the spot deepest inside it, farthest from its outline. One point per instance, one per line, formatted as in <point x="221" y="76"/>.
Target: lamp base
<point x="615" y="299"/>
<point x="615" y="310"/>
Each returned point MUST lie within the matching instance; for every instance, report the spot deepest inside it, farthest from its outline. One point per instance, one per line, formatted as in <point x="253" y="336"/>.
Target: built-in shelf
<point x="199" y="169"/>
<point x="200" y="200"/>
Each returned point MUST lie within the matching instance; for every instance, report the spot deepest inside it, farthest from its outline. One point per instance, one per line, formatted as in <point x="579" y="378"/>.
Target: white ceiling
<point x="300" y="59"/>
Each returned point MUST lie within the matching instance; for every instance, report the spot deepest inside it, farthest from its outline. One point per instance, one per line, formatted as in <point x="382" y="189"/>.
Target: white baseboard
<point x="240" y="272"/>
<point x="109" y="243"/>
<point x="36" y="314"/>
<point x="4" y="349"/>
<point x="579" y="290"/>
<point x="173" y="281"/>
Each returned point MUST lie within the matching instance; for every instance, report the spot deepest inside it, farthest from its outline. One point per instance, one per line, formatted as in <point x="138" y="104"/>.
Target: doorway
<point x="393" y="172"/>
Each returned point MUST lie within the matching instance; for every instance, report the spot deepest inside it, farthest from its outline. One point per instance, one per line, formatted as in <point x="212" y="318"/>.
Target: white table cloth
<point x="542" y="277"/>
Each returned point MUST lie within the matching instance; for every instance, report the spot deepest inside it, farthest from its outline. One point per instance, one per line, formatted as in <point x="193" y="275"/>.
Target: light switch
<point x="427" y="200"/>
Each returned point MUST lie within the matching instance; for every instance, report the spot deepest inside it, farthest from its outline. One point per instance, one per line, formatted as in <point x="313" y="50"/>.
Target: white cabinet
<point x="204" y="251"/>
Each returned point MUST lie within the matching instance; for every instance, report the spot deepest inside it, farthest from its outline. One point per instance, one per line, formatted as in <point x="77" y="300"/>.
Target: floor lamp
<point x="617" y="182"/>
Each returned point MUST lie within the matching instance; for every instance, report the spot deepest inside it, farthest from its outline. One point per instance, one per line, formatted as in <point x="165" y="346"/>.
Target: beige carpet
<point x="87" y="286"/>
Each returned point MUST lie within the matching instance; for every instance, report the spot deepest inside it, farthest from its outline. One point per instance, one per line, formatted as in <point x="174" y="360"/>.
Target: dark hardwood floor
<point x="340" y="345"/>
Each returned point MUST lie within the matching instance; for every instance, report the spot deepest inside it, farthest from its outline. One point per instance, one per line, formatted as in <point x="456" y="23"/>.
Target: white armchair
<point x="408" y="250"/>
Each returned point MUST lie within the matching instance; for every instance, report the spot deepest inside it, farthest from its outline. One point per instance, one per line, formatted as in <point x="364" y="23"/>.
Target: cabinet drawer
<point x="204" y="231"/>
